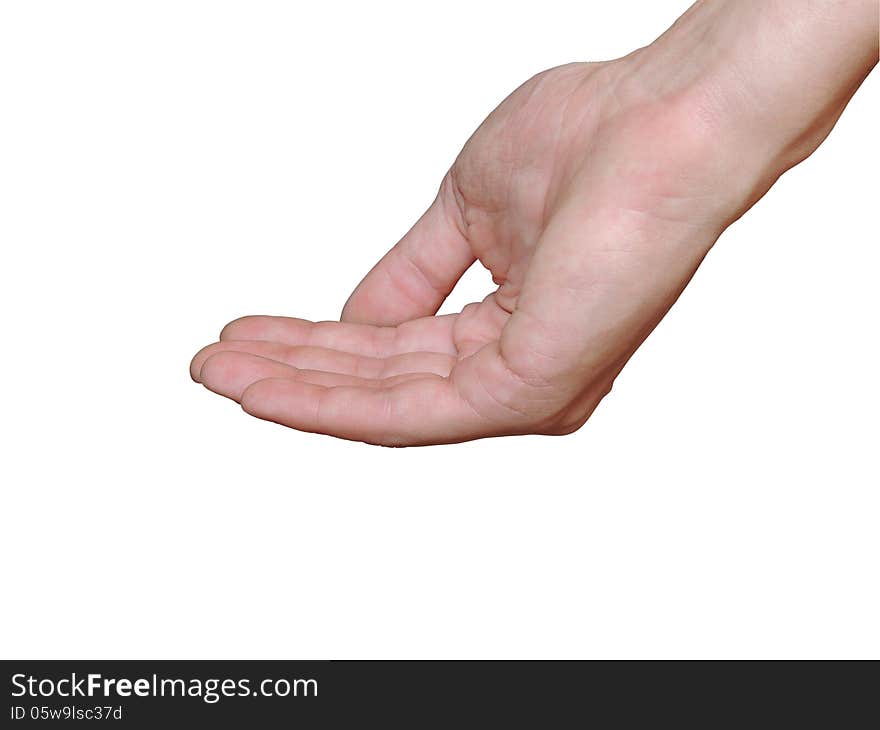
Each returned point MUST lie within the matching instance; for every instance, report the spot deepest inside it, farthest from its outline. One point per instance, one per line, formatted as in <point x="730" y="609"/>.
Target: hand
<point x="591" y="194"/>
<point x="591" y="214"/>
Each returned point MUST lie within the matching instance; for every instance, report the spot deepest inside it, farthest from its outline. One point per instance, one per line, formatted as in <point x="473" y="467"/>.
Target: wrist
<point x="766" y="80"/>
<point x="780" y="69"/>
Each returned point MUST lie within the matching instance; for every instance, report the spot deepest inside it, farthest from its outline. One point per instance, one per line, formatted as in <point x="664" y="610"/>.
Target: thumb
<point x="415" y="277"/>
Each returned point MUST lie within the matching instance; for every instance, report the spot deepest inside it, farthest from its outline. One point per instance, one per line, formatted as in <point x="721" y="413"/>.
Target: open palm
<point x="590" y="201"/>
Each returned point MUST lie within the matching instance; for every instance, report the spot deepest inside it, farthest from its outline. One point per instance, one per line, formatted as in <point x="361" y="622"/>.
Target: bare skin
<point x="592" y="194"/>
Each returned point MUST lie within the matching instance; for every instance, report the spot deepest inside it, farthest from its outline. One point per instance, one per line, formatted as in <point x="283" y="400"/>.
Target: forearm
<point x="776" y="73"/>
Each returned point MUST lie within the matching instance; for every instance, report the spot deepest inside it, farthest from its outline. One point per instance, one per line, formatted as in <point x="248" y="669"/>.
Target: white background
<point x="168" y="166"/>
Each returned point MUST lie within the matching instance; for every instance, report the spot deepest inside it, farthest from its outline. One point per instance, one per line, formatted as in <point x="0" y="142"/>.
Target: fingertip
<point x="195" y="365"/>
<point x="230" y="327"/>
<point x="253" y="397"/>
<point x="346" y="315"/>
<point x="194" y="369"/>
<point x="359" y="309"/>
<point x="218" y="375"/>
<point x="350" y="316"/>
<point x="237" y="327"/>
